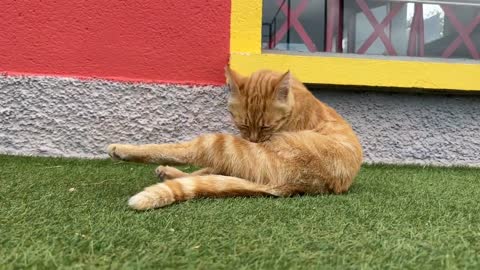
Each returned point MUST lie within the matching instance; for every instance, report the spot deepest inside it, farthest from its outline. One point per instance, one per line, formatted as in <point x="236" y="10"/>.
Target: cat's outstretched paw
<point x="166" y="173"/>
<point x="111" y="151"/>
<point x="117" y="151"/>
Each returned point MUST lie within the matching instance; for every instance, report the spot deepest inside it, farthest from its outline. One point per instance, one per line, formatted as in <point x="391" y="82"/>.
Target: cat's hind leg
<point x="212" y="186"/>
<point x="190" y="187"/>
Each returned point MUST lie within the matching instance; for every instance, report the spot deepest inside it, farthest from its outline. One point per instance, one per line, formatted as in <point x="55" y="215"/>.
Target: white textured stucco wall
<point x="76" y="118"/>
<point x="69" y="117"/>
<point x="412" y="128"/>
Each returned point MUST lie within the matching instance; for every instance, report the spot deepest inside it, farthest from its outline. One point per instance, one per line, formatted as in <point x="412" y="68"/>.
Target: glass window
<point x="442" y="29"/>
<point x="296" y="25"/>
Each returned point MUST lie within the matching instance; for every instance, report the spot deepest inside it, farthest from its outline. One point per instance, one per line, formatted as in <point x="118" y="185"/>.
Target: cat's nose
<point x="253" y="138"/>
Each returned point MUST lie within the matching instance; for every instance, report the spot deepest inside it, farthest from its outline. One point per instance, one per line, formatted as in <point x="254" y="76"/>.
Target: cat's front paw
<point x="117" y="151"/>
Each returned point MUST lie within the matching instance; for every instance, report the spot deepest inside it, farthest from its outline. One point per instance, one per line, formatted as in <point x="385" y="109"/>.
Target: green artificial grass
<point x="394" y="217"/>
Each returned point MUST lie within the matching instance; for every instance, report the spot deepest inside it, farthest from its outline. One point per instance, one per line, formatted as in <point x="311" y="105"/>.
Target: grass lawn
<point x="393" y="217"/>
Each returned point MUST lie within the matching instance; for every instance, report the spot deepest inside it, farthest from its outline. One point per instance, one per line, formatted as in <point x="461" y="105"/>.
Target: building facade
<point x="77" y="76"/>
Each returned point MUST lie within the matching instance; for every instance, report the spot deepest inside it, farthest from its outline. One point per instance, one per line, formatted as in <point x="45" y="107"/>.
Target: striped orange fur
<point x="290" y="143"/>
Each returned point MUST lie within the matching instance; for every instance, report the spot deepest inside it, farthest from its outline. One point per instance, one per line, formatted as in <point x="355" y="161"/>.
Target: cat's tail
<point x="190" y="187"/>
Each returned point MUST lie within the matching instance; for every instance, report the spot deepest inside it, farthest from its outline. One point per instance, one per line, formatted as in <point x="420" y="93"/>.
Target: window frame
<point x="247" y="56"/>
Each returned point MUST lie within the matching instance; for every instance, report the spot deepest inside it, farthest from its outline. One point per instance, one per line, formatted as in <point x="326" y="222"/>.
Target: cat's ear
<point x="234" y="81"/>
<point x="283" y="88"/>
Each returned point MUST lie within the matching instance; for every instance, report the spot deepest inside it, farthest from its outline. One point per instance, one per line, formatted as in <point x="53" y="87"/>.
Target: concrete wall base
<point x="49" y="116"/>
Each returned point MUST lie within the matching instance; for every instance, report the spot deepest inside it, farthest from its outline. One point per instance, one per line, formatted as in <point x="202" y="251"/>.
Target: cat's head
<point x="260" y="104"/>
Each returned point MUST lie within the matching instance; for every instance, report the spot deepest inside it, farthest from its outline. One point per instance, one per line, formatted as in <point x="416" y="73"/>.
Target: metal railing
<point x="272" y="25"/>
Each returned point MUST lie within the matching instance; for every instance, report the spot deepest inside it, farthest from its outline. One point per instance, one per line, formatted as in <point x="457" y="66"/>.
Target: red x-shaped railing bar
<point x="378" y="28"/>
<point x="334" y="21"/>
<point x="463" y="34"/>
<point x="416" y="40"/>
<point x="294" y="15"/>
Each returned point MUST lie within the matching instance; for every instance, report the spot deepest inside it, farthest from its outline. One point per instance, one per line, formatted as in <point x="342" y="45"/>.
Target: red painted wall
<point x="148" y="40"/>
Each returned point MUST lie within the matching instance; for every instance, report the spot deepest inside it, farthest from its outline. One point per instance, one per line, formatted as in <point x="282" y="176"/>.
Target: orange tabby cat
<point x="291" y="143"/>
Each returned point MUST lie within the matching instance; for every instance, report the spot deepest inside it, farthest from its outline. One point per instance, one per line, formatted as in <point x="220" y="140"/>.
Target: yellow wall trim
<point x="246" y="26"/>
<point x="246" y="56"/>
<point x="361" y="71"/>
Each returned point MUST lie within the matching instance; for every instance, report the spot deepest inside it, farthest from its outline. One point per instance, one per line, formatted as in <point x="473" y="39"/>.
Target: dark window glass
<point x="442" y="29"/>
